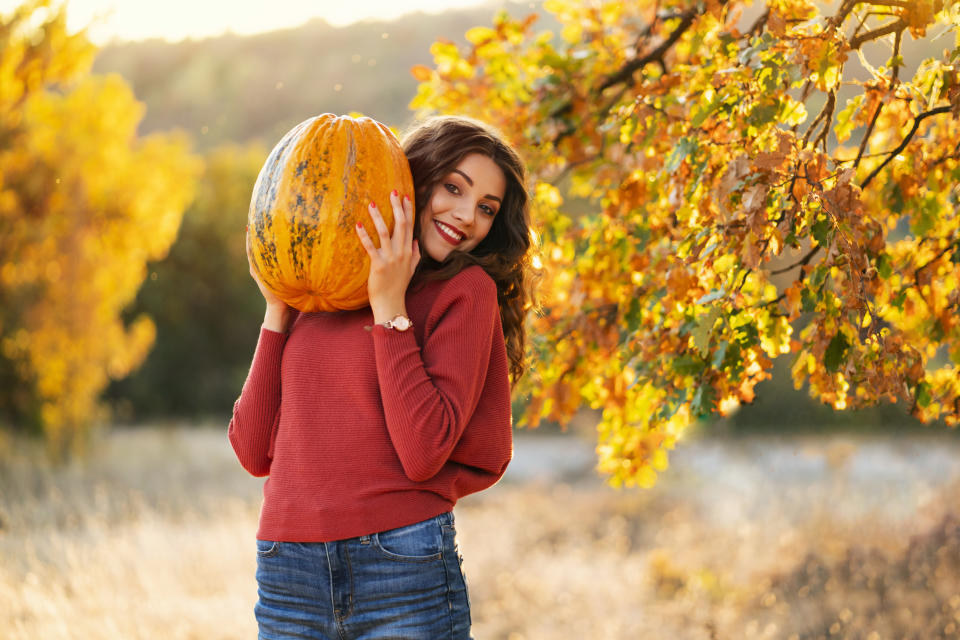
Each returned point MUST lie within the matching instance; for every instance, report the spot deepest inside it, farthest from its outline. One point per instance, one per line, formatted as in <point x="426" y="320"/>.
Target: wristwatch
<point x="400" y="323"/>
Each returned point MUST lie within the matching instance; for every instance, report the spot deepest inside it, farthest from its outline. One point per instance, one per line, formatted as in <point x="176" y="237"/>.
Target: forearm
<point x="424" y="421"/>
<point x="427" y="408"/>
<point x="277" y="318"/>
<point x="256" y="411"/>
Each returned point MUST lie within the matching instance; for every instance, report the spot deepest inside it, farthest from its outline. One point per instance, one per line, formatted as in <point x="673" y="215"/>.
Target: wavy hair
<point x="434" y="147"/>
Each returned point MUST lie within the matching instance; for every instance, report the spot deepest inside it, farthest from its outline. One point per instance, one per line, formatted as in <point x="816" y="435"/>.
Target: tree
<point x="767" y="180"/>
<point x="84" y="204"/>
<point x="206" y="307"/>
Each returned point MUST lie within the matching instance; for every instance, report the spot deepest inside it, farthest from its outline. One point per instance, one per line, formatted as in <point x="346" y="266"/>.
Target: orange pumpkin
<point x="311" y="192"/>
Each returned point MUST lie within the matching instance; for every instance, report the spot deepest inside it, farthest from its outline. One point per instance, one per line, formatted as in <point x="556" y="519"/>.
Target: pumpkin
<point x="313" y="189"/>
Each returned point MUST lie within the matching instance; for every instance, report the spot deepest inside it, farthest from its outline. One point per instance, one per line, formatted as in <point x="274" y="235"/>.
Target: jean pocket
<point x="419" y="542"/>
<point x="267" y="548"/>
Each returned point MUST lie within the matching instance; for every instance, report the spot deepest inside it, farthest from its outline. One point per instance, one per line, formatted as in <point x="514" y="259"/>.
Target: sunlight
<point x="179" y="19"/>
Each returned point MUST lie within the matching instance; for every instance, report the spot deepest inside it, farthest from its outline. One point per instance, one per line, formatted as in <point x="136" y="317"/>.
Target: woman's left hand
<point x="393" y="264"/>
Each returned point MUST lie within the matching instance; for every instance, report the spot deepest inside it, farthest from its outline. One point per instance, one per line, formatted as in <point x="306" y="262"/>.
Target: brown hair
<point x="434" y="147"/>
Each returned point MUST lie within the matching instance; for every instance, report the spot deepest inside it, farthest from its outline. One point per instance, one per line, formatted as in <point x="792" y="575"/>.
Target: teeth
<point x="453" y="232"/>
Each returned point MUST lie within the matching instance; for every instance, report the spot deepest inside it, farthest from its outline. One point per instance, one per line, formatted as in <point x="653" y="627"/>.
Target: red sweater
<point x="362" y="430"/>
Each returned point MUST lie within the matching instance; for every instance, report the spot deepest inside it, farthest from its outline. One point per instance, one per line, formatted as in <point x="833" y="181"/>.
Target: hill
<point x="255" y="88"/>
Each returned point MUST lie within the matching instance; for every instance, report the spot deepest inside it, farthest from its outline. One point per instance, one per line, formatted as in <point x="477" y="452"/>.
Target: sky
<point x="179" y="19"/>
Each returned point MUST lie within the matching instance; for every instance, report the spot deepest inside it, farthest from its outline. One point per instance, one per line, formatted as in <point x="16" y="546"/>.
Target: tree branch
<point x="828" y="109"/>
<point x="626" y="72"/>
<point x="891" y="27"/>
<point x="916" y="272"/>
<point x="803" y="261"/>
<point x="904" y="143"/>
<point x="866" y="137"/>
<point x="757" y="26"/>
<point x="843" y="12"/>
<point x="895" y="77"/>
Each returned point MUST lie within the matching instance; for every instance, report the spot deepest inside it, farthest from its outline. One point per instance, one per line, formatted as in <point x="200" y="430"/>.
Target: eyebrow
<point x="470" y="182"/>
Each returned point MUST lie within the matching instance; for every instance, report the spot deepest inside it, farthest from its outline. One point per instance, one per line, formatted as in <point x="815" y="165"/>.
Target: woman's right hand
<point x="277" y="316"/>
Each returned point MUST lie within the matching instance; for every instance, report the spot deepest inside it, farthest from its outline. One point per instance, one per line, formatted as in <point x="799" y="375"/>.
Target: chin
<point x="437" y="249"/>
<point x="439" y="256"/>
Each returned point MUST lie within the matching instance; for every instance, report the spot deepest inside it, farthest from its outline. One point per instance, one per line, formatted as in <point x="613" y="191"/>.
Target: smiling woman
<point x="372" y="423"/>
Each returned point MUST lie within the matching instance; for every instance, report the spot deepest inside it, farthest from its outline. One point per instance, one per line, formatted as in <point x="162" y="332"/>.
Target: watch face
<point x="401" y="323"/>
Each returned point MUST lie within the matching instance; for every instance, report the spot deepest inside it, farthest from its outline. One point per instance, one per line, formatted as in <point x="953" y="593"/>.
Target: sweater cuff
<point x="270" y="344"/>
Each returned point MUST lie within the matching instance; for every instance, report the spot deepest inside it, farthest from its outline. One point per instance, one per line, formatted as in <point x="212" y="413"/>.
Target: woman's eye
<point x="452" y="188"/>
<point x="487" y="210"/>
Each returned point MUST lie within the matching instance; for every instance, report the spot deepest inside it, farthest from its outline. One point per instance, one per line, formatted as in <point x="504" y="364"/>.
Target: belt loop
<point x="365" y="539"/>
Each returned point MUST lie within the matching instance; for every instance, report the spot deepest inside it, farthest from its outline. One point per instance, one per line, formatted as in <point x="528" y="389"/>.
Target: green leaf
<point x="718" y="356"/>
<point x="696" y="42"/>
<point x="923" y="394"/>
<point x="819" y="275"/>
<point x="884" y="266"/>
<point x="845" y="118"/>
<point x="701" y="334"/>
<point x="925" y="217"/>
<point x="899" y="299"/>
<point x="746" y="333"/>
<point x="684" y="148"/>
<point x="703" y="112"/>
<point x="821" y="231"/>
<point x="836" y="353"/>
<point x="763" y="114"/>
<point x="687" y="365"/>
<point x="703" y="400"/>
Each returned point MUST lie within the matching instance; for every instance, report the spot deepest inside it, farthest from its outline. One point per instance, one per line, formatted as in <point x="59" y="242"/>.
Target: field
<point x="151" y="536"/>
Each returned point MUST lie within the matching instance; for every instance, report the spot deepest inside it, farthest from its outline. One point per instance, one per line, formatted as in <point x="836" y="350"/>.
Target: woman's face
<point x="462" y="207"/>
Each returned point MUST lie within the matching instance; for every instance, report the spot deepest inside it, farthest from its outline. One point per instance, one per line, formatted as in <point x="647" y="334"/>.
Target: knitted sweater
<point x="366" y="429"/>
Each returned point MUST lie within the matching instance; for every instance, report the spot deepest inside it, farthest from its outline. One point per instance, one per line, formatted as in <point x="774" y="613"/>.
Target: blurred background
<point x="783" y="520"/>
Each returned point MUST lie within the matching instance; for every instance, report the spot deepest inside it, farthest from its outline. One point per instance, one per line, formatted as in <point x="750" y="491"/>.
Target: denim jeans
<point x="401" y="584"/>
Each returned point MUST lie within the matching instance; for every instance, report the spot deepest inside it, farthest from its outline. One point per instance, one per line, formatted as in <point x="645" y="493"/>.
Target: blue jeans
<point x="401" y="584"/>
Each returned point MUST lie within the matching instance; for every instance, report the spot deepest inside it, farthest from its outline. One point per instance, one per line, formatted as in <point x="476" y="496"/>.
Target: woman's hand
<point x="277" y="316"/>
<point x="393" y="264"/>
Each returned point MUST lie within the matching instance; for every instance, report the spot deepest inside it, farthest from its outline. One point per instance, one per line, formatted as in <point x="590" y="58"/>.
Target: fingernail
<point x="359" y="226"/>
<point x="248" y="228"/>
<point x="373" y="205"/>
<point x="394" y="192"/>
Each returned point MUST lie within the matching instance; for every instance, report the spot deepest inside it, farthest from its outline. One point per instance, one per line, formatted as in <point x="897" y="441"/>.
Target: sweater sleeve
<point x="430" y="394"/>
<point x="256" y="413"/>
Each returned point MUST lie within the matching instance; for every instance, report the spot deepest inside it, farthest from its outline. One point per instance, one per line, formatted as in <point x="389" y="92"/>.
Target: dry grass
<point x="151" y="537"/>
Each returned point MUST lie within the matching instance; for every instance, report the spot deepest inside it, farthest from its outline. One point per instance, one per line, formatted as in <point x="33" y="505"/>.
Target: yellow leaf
<point x="479" y="35"/>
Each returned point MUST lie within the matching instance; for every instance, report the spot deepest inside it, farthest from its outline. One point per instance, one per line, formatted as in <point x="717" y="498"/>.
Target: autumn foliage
<point x="767" y="179"/>
<point x="84" y="204"/>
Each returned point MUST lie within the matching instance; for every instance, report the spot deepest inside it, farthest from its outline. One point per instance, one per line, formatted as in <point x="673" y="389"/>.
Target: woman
<point x="372" y="423"/>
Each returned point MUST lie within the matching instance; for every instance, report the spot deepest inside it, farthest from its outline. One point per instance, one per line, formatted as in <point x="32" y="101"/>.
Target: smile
<point x="448" y="233"/>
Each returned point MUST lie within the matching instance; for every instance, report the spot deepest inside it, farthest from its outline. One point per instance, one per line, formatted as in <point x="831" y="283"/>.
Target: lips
<point x="448" y="233"/>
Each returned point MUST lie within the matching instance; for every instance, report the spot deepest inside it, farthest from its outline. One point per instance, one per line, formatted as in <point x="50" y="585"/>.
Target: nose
<point x="464" y="215"/>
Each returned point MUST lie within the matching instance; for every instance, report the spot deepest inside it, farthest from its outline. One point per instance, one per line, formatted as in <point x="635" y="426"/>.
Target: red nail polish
<point x="359" y="226"/>
<point x="373" y="205"/>
<point x="394" y="192"/>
